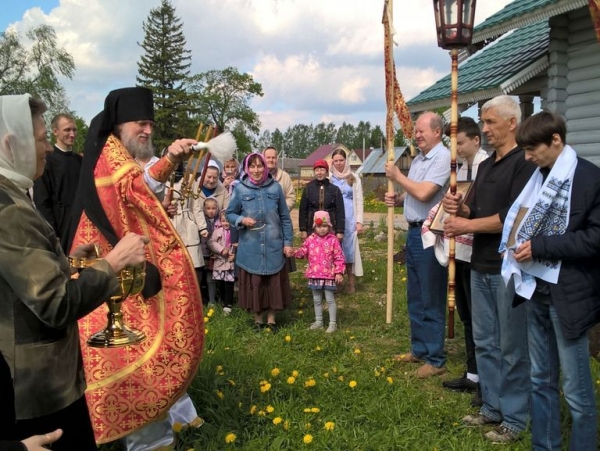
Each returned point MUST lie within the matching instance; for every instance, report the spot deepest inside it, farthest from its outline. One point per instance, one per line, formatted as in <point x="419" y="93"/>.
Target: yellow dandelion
<point x="177" y="427"/>
<point x="341" y="378"/>
<point x="390" y="380"/>
<point x="286" y="425"/>
<point x="291" y="380"/>
<point x="295" y="373"/>
<point x="230" y="438"/>
<point x="210" y="312"/>
<point x="325" y="375"/>
<point x="300" y="312"/>
<point x="231" y="382"/>
<point x="262" y="413"/>
<point x="377" y="373"/>
<point x="220" y="394"/>
<point x="253" y="410"/>
<point x="205" y="330"/>
<point x="270" y="409"/>
<point x="275" y="372"/>
<point x="318" y="348"/>
<point x="288" y="338"/>
<point x="315" y="409"/>
<point x="382" y="369"/>
<point x="310" y="383"/>
<point x="265" y="388"/>
<point x="357" y="351"/>
<point x="307" y="426"/>
<point x="219" y="368"/>
<point x="277" y="420"/>
<point x="307" y="410"/>
<point x="404" y="279"/>
<point x="352" y="337"/>
<point x="329" y="425"/>
<point x="206" y="319"/>
<point x="352" y="384"/>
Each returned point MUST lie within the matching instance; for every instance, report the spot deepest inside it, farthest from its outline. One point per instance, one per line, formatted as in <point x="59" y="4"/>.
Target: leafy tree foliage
<point x="164" y="68"/>
<point x="82" y="131"/>
<point x="301" y="140"/>
<point x="222" y="97"/>
<point x="35" y="68"/>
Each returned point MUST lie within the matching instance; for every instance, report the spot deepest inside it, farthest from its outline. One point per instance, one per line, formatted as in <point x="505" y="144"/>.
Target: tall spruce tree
<point x="164" y="68"/>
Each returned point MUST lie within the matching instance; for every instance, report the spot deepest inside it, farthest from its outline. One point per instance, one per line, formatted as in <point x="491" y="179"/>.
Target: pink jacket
<point x="325" y="256"/>
<point x="216" y="244"/>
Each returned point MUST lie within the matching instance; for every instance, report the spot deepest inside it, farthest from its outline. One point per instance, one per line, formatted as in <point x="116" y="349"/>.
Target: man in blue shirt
<point x="427" y="280"/>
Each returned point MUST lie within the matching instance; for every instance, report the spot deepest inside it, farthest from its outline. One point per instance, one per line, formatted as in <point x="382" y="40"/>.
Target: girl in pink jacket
<point x="325" y="268"/>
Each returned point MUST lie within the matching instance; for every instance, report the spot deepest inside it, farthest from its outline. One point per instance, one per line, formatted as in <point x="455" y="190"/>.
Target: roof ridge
<point x="516" y="17"/>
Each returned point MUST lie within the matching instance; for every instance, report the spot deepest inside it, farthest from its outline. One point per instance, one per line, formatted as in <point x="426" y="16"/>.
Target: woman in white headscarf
<point x="41" y="373"/>
<point x="351" y="188"/>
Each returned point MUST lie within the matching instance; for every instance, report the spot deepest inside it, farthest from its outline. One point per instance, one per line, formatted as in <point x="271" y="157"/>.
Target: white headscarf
<point x="17" y="143"/>
<point x="345" y="172"/>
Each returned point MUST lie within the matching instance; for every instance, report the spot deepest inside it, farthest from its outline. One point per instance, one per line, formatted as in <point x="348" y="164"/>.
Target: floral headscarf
<point x="265" y="172"/>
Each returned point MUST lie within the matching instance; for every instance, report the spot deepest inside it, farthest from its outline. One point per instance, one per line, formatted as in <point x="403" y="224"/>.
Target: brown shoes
<point x="409" y="357"/>
<point x="428" y="370"/>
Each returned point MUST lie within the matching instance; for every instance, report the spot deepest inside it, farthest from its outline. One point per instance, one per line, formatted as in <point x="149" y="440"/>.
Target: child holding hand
<point x="325" y="268"/>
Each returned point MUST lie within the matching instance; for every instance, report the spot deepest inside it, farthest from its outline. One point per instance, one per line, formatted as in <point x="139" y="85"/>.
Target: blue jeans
<point x="426" y="293"/>
<point x="551" y="353"/>
<point x="500" y="335"/>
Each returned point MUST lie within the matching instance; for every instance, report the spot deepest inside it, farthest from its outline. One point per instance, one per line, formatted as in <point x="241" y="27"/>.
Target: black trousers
<point x="74" y="420"/>
<point x="463" y="306"/>
<point x="226" y="290"/>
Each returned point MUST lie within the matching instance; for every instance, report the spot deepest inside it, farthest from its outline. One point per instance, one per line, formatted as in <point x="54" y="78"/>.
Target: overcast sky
<point x="317" y="60"/>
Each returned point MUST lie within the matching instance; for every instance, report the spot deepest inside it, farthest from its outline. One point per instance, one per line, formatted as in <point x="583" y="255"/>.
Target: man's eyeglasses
<point x="258" y="225"/>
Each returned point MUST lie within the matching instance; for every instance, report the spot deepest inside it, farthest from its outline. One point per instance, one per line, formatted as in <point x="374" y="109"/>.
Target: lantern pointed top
<point x="454" y="21"/>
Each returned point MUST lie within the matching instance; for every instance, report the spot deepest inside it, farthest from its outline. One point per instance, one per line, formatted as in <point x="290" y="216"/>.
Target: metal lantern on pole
<point x="454" y="24"/>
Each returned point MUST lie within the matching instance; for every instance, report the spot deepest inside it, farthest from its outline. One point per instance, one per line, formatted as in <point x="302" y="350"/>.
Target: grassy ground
<point x="299" y="389"/>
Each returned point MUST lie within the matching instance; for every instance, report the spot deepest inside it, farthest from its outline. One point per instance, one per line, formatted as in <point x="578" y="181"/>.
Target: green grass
<point x="242" y="386"/>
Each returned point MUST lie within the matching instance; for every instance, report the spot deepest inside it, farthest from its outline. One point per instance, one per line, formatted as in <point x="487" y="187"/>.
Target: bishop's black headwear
<point x="120" y="106"/>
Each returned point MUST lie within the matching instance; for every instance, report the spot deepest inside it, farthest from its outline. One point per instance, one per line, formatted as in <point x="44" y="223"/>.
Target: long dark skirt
<point x="257" y="293"/>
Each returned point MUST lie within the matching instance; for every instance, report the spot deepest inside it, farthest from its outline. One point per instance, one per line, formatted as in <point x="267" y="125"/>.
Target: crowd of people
<point x="527" y="287"/>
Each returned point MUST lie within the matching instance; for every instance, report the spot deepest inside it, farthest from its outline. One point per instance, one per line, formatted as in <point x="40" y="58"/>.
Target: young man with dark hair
<point x="468" y="140"/>
<point x="553" y="259"/>
<point x="54" y="192"/>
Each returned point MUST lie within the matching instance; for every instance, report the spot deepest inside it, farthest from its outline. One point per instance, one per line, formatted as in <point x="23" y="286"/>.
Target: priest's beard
<point x="138" y="150"/>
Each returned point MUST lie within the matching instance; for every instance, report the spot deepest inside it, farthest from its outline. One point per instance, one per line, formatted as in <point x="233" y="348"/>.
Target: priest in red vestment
<point x="132" y="390"/>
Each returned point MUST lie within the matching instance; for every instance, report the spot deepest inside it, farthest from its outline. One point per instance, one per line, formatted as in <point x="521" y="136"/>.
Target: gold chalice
<point x="116" y="333"/>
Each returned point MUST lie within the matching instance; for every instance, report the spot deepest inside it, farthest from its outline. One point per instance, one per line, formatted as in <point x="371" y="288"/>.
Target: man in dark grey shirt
<point x="499" y="331"/>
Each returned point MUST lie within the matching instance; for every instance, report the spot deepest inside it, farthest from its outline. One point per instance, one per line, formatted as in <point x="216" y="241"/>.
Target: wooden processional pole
<point x="389" y="131"/>
<point x="452" y="240"/>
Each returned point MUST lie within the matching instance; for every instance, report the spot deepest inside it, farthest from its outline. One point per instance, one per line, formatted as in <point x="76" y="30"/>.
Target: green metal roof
<point x="497" y="69"/>
<point x="520" y="13"/>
